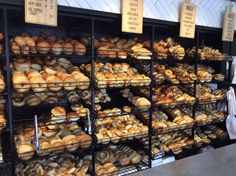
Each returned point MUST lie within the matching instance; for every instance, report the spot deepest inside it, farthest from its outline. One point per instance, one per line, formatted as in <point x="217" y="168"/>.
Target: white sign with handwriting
<point x="187" y="20"/>
<point x="42" y="12"/>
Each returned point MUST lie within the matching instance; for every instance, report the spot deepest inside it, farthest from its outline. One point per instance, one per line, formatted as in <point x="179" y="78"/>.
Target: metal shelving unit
<point x="92" y="18"/>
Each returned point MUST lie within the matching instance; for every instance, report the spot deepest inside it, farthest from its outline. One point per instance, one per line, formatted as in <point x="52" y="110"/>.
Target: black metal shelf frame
<point x="92" y="17"/>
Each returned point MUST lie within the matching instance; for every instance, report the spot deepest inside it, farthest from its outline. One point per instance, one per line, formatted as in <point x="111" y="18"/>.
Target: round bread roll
<point x="102" y="52"/>
<point x="71" y="143"/>
<point x="57" y="145"/>
<point x="25" y="151"/>
<point x="21" y="83"/>
<point x="54" y="83"/>
<point x="85" y="140"/>
<point x="49" y="133"/>
<point x="103" y="157"/>
<point x="45" y="148"/>
<point x="56" y="48"/>
<point x="80" y="49"/>
<point x="20" y="41"/>
<point x="38" y="84"/>
<point x="68" y="48"/>
<point x="18" y="100"/>
<point x="58" y="111"/>
<point x="72" y="117"/>
<point x="15" y="48"/>
<point x="33" y="100"/>
<point x="43" y="47"/>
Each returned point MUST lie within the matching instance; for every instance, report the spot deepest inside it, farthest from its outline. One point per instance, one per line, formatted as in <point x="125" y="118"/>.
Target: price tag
<point x="228" y="25"/>
<point x="187" y="20"/>
<point x="132" y="16"/>
<point x="41" y="12"/>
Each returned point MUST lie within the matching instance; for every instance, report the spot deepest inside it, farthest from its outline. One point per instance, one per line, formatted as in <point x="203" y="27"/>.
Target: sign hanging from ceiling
<point x="228" y="25"/>
<point x="42" y="12"/>
<point x="187" y="20"/>
<point x="132" y="16"/>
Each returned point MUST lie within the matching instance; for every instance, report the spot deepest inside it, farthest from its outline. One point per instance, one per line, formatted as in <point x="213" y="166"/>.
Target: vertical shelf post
<point x="9" y="93"/>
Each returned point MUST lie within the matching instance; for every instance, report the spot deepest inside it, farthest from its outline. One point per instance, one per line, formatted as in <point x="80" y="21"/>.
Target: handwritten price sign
<point x="41" y="12"/>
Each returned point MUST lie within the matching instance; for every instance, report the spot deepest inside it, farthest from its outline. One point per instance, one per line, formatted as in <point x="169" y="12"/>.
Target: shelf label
<point x="132" y="16"/>
<point x="228" y="25"/>
<point x="42" y="12"/>
<point x="187" y="20"/>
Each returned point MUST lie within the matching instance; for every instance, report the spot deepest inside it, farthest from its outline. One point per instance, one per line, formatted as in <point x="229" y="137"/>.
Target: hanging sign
<point x="132" y="16"/>
<point x="187" y="20"/>
<point x="41" y="12"/>
<point x="228" y="25"/>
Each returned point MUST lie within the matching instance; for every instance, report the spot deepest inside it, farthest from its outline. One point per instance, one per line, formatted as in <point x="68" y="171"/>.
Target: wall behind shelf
<point x="209" y="11"/>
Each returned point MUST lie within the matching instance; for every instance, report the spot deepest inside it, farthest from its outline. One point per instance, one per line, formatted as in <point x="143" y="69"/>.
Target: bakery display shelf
<point x="52" y="87"/>
<point x="173" y="129"/>
<point x="41" y="51"/>
<point x="104" y="115"/>
<point x="171" y="60"/>
<point x="222" y="59"/>
<point x="213" y="81"/>
<point x="172" y="105"/>
<point x="41" y="153"/>
<point x="124" y="139"/>
<point x="129" y="59"/>
<point x="121" y="83"/>
<point x="204" y="102"/>
<point x="210" y="122"/>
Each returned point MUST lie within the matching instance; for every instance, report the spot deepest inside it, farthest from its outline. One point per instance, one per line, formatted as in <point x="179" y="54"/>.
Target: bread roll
<point x="68" y="48"/>
<point x="25" y="151"/>
<point x="85" y="141"/>
<point x="56" y="48"/>
<point x="80" y="49"/>
<point x="43" y="47"/>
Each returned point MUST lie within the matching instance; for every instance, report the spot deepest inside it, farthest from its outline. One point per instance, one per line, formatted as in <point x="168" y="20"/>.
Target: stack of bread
<point x="59" y="114"/>
<point x="120" y="48"/>
<point x="184" y="73"/>
<point x="176" y="141"/>
<point x="41" y="74"/>
<point x="53" y="138"/>
<point x="113" y="47"/>
<point x="113" y="112"/>
<point x="117" y="75"/>
<point x="2" y="82"/>
<point x="139" y="52"/>
<point x="170" y="96"/>
<point x="101" y="96"/>
<point x="156" y="152"/>
<point x="26" y="44"/>
<point x="208" y="134"/>
<point x="206" y="114"/>
<point x="64" y="164"/>
<point x="161" y="123"/>
<point x="206" y="94"/>
<point x="2" y="114"/>
<point x="118" y="128"/>
<point x="205" y="74"/>
<point x="167" y="48"/>
<point x="121" y="155"/>
<point x="206" y="53"/>
<point x="137" y="101"/>
<point x="1" y="45"/>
